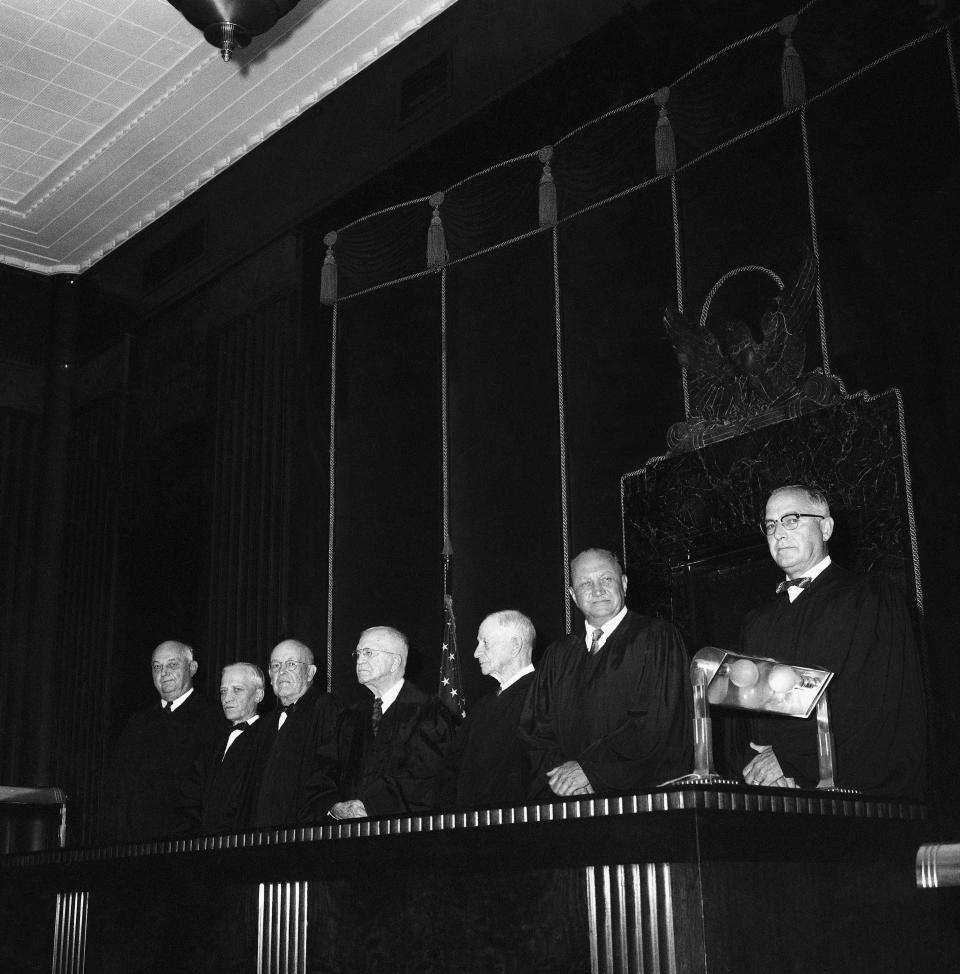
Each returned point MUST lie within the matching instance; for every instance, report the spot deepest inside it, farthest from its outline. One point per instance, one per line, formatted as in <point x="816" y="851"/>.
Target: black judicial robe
<point x="291" y="782"/>
<point x="625" y="713"/>
<point x="393" y="773"/>
<point x="859" y="627"/>
<point x="485" y="763"/>
<point x="218" y="794"/>
<point x="155" y="754"/>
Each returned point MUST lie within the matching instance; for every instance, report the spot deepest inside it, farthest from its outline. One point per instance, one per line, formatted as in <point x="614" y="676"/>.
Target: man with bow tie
<point x="857" y="626"/>
<point x="291" y="783"/>
<point x="217" y="795"/>
<point x="610" y="709"/>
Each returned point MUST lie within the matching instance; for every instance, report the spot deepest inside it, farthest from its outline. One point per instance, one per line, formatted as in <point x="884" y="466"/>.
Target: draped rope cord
<point x="678" y="265"/>
<point x="594" y="121"/>
<point x="814" y="238"/>
<point x="747" y="133"/>
<point x="332" y="496"/>
<point x="686" y="74"/>
<point x="561" y="410"/>
<point x="444" y="431"/>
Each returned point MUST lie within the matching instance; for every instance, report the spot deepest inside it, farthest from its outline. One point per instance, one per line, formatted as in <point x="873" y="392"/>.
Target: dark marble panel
<point x="691" y="522"/>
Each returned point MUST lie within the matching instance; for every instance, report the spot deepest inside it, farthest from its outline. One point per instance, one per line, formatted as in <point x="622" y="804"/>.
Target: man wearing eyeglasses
<point x="291" y="783"/>
<point x="856" y="626"/>
<point x="157" y="749"/>
<point x="388" y="750"/>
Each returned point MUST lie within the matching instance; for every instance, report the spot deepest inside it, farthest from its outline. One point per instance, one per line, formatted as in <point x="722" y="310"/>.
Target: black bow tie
<point x="240" y="725"/>
<point x="793" y="583"/>
<point x="289" y="708"/>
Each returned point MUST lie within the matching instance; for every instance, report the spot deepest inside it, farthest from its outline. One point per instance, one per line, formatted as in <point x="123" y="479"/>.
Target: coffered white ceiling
<point x="112" y="111"/>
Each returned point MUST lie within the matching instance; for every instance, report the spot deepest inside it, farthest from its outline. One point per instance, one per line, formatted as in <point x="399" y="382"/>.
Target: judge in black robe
<point x="217" y="796"/>
<point x="386" y="752"/>
<point x="856" y="626"/>
<point x="485" y="765"/>
<point x="157" y="750"/>
<point x="290" y="781"/>
<point x="610" y="710"/>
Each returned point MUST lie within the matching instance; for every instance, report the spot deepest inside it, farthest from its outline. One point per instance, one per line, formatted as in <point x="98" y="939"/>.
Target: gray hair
<point x="252" y="670"/>
<point x="515" y="619"/>
<point x="813" y="494"/>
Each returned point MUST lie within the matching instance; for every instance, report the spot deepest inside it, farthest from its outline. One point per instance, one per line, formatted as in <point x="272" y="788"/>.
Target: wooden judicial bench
<point x="694" y="878"/>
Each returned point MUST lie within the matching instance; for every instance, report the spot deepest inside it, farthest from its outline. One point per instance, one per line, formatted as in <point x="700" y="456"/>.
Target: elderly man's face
<point x="496" y="647"/>
<point x="172" y="671"/>
<point x="239" y="694"/>
<point x="797" y="551"/>
<point x="597" y="586"/>
<point x="291" y="672"/>
<point x="379" y="660"/>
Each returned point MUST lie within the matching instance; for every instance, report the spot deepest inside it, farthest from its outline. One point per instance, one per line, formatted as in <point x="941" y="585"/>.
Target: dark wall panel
<point x="506" y="522"/>
<point x="388" y="539"/>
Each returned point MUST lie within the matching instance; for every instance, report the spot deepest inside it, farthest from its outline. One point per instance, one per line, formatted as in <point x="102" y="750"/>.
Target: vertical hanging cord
<point x="814" y="239"/>
<point x="561" y="407"/>
<point x="333" y="495"/>
<point x="678" y="265"/>
<point x="908" y="490"/>
<point x="444" y="433"/>
<point x="953" y="74"/>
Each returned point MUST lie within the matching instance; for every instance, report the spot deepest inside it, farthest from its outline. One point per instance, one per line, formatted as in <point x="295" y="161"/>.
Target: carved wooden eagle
<point x="749" y="376"/>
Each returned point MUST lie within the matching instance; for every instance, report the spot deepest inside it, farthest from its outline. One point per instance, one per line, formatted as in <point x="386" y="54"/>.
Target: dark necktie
<point x="168" y="709"/>
<point x="793" y="583"/>
<point x="241" y="726"/>
<point x="377" y="715"/>
<point x="595" y="643"/>
<point x="289" y="708"/>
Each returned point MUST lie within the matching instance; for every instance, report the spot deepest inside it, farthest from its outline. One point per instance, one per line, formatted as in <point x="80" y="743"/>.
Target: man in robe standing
<point x="291" y="783"/>
<point x="218" y="793"/>
<point x="158" y="748"/>
<point x="485" y="764"/>
<point x="857" y="626"/>
<point x="386" y="752"/>
<point x="610" y="710"/>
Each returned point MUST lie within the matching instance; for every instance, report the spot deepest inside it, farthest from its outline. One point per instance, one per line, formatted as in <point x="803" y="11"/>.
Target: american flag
<point x="450" y="690"/>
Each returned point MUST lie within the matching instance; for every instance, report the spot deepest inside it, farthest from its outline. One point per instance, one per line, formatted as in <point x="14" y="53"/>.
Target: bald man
<point x="157" y="750"/>
<point x="291" y="784"/>
<point x="485" y="765"/>
<point x="387" y="751"/>
<point x="610" y="710"/>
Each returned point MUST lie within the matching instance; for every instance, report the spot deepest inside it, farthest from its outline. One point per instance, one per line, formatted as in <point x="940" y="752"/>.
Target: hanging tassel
<point x="548" y="189"/>
<point x="791" y="67"/>
<point x="328" y="273"/>
<point x="437" y="254"/>
<point x="665" y="147"/>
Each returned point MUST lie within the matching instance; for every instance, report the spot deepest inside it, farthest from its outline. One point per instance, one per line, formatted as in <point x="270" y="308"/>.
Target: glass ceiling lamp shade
<point x="229" y="24"/>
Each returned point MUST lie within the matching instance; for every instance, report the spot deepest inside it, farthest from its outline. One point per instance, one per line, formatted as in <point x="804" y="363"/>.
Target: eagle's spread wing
<point x="785" y="327"/>
<point x="711" y="379"/>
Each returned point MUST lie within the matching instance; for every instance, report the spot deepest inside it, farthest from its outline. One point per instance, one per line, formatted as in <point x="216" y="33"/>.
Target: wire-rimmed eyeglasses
<point x="290" y="665"/>
<point x="789" y="522"/>
<point x="366" y="653"/>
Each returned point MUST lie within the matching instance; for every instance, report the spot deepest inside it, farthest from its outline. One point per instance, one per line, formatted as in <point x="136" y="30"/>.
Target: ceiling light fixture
<point x="229" y="24"/>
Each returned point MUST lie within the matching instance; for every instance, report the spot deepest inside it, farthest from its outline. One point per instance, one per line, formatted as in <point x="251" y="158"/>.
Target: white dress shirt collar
<point x="794" y="593"/>
<point x="173" y="704"/>
<point x="516" y="676"/>
<point x="605" y="629"/>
